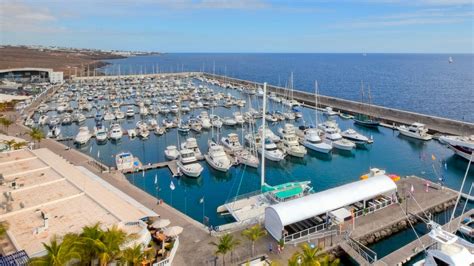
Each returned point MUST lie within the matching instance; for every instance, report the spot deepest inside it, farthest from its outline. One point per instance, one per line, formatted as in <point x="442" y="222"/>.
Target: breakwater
<point x="388" y="116"/>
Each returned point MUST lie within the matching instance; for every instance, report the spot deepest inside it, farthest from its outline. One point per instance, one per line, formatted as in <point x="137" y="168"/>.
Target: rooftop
<point x="38" y="184"/>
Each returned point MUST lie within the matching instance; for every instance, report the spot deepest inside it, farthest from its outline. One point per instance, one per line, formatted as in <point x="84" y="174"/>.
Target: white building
<point x="307" y="215"/>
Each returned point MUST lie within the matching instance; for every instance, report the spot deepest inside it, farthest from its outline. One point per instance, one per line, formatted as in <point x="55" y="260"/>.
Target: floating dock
<point x="172" y="166"/>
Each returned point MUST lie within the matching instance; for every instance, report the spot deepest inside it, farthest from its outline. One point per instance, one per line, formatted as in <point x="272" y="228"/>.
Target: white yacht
<point x="130" y="112"/>
<point x="100" y="133"/>
<point x="313" y="141"/>
<point x="109" y="116"/>
<point x="115" y="132"/>
<point x="81" y="118"/>
<point x="216" y="121"/>
<point x="125" y="161"/>
<point x="191" y="144"/>
<point x="205" y="121"/>
<point x="231" y="142"/>
<point x="54" y="132"/>
<point x="462" y="146"/>
<point x="239" y="118"/>
<point x="171" y="152"/>
<point x="333" y="136"/>
<point x="289" y="143"/>
<point x="83" y="136"/>
<point x="132" y="133"/>
<point x="269" y="134"/>
<point x="229" y="121"/>
<point x="217" y="158"/>
<point x="272" y="152"/>
<point x="415" y="130"/>
<point x="188" y="164"/>
<point x="355" y="137"/>
<point x="43" y="120"/>
<point x="328" y="111"/>
<point x="119" y="114"/>
<point x="449" y="249"/>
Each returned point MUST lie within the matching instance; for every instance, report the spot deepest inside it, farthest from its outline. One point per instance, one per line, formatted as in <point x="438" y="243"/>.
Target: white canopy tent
<point x="280" y="215"/>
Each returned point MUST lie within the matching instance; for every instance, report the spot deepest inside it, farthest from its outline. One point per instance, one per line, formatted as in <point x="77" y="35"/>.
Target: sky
<point x="298" y="26"/>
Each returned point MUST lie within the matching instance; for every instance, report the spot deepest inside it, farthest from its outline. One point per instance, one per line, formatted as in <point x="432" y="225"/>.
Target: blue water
<point x="423" y="83"/>
<point x="396" y="154"/>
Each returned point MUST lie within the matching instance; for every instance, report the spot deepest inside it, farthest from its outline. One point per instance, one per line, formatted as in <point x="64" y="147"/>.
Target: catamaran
<point x="250" y="208"/>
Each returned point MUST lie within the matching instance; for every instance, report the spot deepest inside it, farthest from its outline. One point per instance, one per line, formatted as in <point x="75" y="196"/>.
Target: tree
<point x="3" y="228"/>
<point x="253" y="234"/>
<point x="58" y="254"/>
<point x="133" y="255"/>
<point x="19" y="145"/>
<point x="311" y="256"/>
<point x="112" y="239"/>
<point x="226" y="243"/>
<point x="91" y="242"/>
<point x="36" y="135"/>
<point x="6" y="123"/>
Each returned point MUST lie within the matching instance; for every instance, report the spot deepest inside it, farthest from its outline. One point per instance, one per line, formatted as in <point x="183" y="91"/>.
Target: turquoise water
<point x="396" y="154"/>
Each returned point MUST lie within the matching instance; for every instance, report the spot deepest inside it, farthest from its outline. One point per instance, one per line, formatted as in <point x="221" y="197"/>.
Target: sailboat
<point x="450" y="60"/>
<point x="366" y="120"/>
<point x="250" y="208"/>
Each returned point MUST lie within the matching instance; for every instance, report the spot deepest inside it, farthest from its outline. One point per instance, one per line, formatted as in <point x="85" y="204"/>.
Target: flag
<point x="433" y="157"/>
<point x="412" y="189"/>
<point x="156" y="179"/>
<point x="201" y="201"/>
<point x="172" y="185"/>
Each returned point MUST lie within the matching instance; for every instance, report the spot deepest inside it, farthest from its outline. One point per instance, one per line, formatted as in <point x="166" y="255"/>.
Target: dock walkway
<point x="172" y="166"/>
<point x="416" y="246"/>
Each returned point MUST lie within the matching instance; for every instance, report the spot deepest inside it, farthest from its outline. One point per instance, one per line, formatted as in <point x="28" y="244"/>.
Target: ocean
<point x="422" y="83"/>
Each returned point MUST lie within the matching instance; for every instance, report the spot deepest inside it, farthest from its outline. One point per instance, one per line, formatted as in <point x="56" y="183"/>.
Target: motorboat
<point x="119" y="114"/>
<point x="313" y="141"/>
<point x="195" y="125"/>
<point x="115" y="132"/>
<point x="167" y="123"/>
<point x="66" y="119"/>
<point x="247" y="158"/>
<point x="271" y="117"/>
<point x="191" y="144"/>
<point x="54" y="132"/>
<point x="29" y="122"/>
<point x="171" y="152"/>
<point x="43" y="120"/>
<point x="289" y="142"/>
<point x="415" y="130"/>
<point x="329" y="111"/>
<point x="109" y="116"/>
<point x="239" y="118"/>
<point x="272" y="152"/>
<point x="83" y="136"/>
<point x="205" y="121"/>
<point x="159" y="130"/>
<point x="81" y="118"/>
<point x="269" y="134"/>
<point x="217" y="158"/>
<point x="98" y="117"/>
<point x="132" y="133"/>
<point x="183" y="128"/>
<point x="125" y="161"/>
<point x="467" y="226"/>
<point x="100" y="133"/>
<point x="463" y="146"/>
<point x="188" y="165"/>
<point x="216" y="121"/>
<point x="229" y="121"/>
<point x="333" y="136"/>
<point x="143" y="111"/>
<point x="54" y="121"/>
<point x="355" y="137"/>
<point x="130" y="112"/>
<point x="231" y="142"/>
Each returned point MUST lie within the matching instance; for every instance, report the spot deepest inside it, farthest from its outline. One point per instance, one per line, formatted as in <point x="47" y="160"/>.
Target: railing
<point x="368" y="254"/>
<point x="232" y="227"/>
<point x="313" y="237"/>
<point x="305" y="232"/>
<point x="375" y="207"/>
<point x="169" y="260"/>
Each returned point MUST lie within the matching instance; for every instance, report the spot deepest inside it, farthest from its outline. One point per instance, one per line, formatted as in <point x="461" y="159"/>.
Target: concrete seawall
<point x="386" y="115"/>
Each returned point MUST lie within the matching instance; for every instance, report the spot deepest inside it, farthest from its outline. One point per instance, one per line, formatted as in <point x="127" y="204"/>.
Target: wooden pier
<point x="172" y="166"/>
<point x="406" y="252"/>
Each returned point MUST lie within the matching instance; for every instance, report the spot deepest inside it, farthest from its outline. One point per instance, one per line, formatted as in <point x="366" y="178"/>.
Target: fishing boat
<point x="217" y="158"/>
<point x="463" y="146"/>
<point x="188" y="165"/>
<point x="415" y="130"/>
<point x="355" y="137"/>
<point x="171" y="152"/>
<point x="83" y="136"/>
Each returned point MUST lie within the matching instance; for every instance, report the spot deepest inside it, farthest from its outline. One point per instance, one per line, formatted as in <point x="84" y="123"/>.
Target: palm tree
<point x="112" y="239"/>
<point x="311" y="256"/>
<point x="3" y="228"/>
<point x="36" y="134"/>
<point x="10" y="143"/>
<point x="19" y="145"/>
<point x="253" y="234"/>
<point x="58" y="254"/>
<point x="6" y="123"/>
<point x="133" y="255"/>
<point x="226" y="243"/>
<point x="91" y="241"/>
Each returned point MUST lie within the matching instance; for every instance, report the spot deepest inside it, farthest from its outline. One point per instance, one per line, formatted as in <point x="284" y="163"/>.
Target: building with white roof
<point x="306" y="215"/>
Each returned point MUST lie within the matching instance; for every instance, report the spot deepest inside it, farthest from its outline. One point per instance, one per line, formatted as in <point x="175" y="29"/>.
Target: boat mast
<point x="316" y="103"/>
<point x="262" y="141"/>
